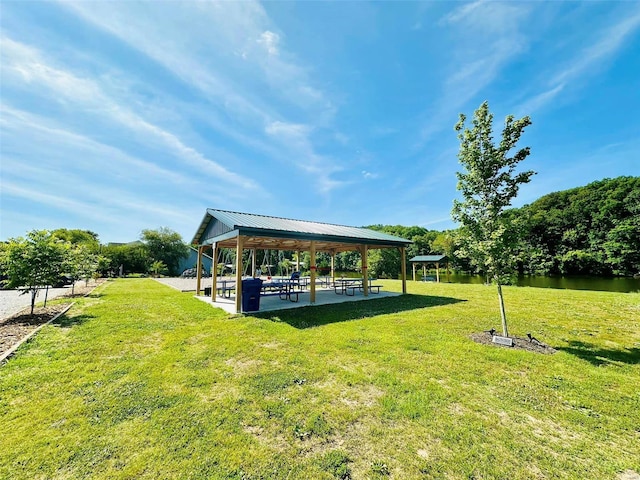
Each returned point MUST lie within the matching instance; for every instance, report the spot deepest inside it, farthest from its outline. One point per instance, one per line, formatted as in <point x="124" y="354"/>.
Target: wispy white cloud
<point x="291" y="131"/>
<point x="39" y="135"/>
<point x="87" y="206"/>
<point x="489" y="37"/>
<point x="593" y="58"/>
<point x="245" y="56"/>
<point x="609" y="41"/>
<point x="203" y="59"/>
<point x="31" y="67"/>
<point x="269" y="40"/>
<point x="79" y="197"/>
<point x="539" y="100"/>
<point x="52" y="200"/>
<point x="294" y="139"/>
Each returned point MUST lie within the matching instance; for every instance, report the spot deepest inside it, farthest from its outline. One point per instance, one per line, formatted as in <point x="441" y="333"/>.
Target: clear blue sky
<point x="121" y="116"/>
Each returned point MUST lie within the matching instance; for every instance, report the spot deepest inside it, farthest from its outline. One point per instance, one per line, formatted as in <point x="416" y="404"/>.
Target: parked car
<point x="193" y="272"/>
<point x="63" y="280"/>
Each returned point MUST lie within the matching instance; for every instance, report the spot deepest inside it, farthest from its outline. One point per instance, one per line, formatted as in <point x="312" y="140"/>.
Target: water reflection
<point x="571" y="283"/>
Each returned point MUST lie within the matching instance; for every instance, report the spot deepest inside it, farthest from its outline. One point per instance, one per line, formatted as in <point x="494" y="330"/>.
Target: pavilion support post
<point x="312" y="253"/>
<point x="414" y="271"/>
<point x="298" y="261"/>
<point x="424" y="270"/>
<point x="437" y="272"/>
<point x="214" y="271"/>
<point x="199" y="270"/>
<point x="253" y="263"/>
<point x="365" y="271"/>
<point x="333" y="267"/>
<point x="403" y="268"/>
<point x="239" y="244"/>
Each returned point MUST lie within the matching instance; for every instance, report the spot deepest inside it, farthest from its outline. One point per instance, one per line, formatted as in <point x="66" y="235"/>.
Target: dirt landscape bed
<point x="17" y="326"/>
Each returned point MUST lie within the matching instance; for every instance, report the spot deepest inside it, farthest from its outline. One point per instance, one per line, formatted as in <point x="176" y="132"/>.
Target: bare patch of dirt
<point x="628" y="475"/>
<point x="518" y="343"/>
<point x="19" y="325"/>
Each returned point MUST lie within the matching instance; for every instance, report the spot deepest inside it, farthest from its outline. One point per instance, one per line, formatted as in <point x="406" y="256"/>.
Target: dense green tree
<point x="592" y="229"/>
<point x="34" y="262"/>
<point x="488" y="184"/>
<point x="348" y="261"/>
<point x="132" y="257"/>
<point x="78" y="237"/>
<point x="166" y="246"/>
<point x="384" y="263"/>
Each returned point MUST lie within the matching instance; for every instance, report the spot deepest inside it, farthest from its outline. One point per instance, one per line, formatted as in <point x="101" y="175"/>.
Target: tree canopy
<point x="166" y="246"/>
<point x="594" y="229"/>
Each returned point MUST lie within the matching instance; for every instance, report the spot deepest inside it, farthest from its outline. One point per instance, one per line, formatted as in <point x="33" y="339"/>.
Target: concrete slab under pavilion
<point x="273" y="303"/>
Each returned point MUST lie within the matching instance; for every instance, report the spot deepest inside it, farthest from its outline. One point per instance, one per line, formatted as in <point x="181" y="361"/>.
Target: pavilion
<point x="225" y="229"/>
<point x="426" y="260"/>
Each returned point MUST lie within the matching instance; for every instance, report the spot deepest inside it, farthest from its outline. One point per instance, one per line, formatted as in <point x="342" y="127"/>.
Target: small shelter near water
<point x="225" y="229"/>
<point x="425" y="260"/>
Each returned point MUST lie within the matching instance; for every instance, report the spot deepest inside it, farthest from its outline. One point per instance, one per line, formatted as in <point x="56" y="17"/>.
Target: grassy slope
<point x="142" y="381"/>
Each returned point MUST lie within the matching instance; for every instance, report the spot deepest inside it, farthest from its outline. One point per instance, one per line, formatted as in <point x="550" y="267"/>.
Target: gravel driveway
<point x="11" y="301"/>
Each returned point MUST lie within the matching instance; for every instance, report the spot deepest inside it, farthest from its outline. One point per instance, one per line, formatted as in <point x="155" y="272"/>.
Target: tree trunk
<point x="33" y="298"/>
<point x="503" y="315"/>
<point x="46" y="295"/>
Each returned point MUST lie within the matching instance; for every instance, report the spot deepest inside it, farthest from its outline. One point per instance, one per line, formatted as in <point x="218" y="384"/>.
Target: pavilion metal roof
<point x="261" y="231"/>
<point x="428" y="258"/>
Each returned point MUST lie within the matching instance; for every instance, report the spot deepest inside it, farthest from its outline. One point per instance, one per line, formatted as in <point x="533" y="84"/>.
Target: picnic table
<point x="343" y="286"/>
<point x="285" y="288"/>
<point x="225" y="287"/>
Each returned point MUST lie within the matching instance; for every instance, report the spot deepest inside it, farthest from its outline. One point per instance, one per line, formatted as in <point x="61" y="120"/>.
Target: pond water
<point x="615" y="284"/>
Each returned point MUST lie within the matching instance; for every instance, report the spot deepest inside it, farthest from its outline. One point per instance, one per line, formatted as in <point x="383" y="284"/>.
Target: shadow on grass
<point x="27" y="319"/>
<point x="314" y="316"/>
<point x="601" y="356"/>
<point x="65" y="321"/>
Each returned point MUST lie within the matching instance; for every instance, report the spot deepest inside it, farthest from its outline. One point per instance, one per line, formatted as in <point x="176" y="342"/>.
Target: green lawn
<point x="140" y="381"/>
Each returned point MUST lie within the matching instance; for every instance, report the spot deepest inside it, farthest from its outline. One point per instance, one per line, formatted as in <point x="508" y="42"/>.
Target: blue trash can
<point x="251" y="294"/>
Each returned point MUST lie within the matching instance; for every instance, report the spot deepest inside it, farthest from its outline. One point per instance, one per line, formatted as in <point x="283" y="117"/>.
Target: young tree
<point x="158" y="267"/>
<point x="166" y="246"/>
<point x="488" y="185"/>
<point x="82" y="264"/>
<point x="34" y="262"/>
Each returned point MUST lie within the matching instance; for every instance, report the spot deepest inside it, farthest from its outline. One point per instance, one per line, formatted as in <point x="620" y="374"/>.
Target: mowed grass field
<point x="141" y="381"/>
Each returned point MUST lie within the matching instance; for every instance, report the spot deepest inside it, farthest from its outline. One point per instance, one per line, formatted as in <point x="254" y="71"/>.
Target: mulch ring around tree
<point x="518" y="343"/>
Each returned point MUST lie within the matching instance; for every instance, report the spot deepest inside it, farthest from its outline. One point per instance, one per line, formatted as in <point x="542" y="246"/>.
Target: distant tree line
<point x="590" y="230"/>
<point x="593" y="229"/>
